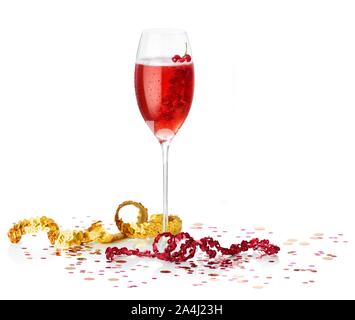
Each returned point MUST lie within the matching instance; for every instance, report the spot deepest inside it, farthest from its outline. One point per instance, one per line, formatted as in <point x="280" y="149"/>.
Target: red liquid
<point x="164" y="96"/>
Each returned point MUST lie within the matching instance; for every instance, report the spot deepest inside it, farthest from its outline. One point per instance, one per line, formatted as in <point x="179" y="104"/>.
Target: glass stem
<point x="165" y="151"/>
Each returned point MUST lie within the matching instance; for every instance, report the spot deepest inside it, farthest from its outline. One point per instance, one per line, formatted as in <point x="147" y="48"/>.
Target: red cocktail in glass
<point x="164" y="96"/>
<point x="164" y="83"/>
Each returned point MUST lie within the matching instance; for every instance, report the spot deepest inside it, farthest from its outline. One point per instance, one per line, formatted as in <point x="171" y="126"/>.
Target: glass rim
<point x="164" y="31"/>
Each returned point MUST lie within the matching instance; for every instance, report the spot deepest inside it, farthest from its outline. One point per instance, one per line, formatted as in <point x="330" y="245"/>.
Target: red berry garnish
<point x="187" y="57"/>
<point x="175" y="58"/>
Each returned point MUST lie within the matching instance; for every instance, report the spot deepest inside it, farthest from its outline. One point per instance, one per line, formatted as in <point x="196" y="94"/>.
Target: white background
<point x="269" y="139"/>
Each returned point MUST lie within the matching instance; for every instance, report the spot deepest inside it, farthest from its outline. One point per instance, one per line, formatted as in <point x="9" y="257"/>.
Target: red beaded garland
<point x="182" y="247"/>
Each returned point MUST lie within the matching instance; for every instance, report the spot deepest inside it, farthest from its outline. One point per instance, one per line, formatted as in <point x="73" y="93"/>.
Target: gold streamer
<point x="142" y="228"/>
<point x="34" y="225"/>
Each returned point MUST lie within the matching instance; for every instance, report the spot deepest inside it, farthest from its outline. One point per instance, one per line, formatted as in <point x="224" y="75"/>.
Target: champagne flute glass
<point x="164" y="84"/>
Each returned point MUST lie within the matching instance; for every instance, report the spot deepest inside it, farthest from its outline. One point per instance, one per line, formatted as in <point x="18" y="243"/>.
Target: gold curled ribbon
<point x="95" y="233"/>
<point x="34" y="225"/>
<point x="142" y="228"/>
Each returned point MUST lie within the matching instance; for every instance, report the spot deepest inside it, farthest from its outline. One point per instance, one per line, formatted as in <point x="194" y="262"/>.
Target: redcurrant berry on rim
<point x="187" y="57"/>
<point x="175" y="58"/>
<point x="181" y="60"/>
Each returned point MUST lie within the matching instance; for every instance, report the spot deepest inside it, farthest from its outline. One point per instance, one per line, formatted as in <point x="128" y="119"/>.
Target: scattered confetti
<point x="88" y="262"/>
<point x="113" y="279"/>
<point x="258" y="287"/>
<point x="259" y="228"/>
<point x="304" y="243"/>
<point x="327" y="258"/>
